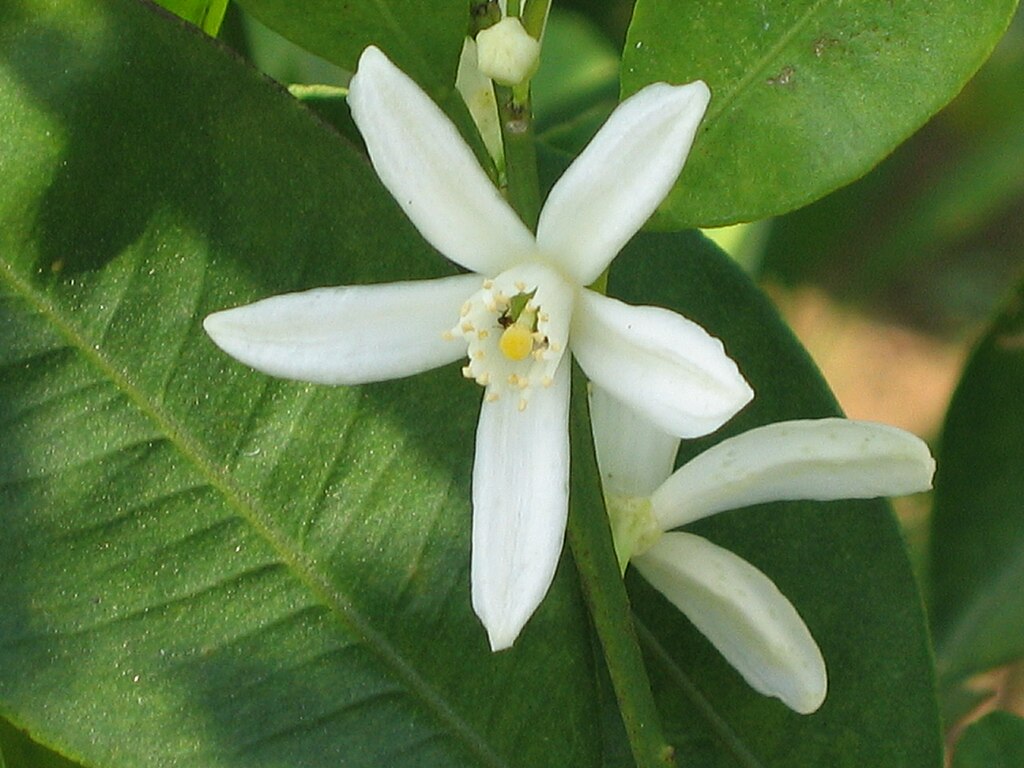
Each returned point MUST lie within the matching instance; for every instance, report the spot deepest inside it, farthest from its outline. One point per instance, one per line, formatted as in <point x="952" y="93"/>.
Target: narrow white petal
<point x="625" y="172"/>
<point x="350" y="334"/>
<point x="520" y="503"/>
<point x="431" y="172"/>
<point x="743" y="614"/>
<point x="634" y="456"/>
<point x="478" y="93"/>
<point x="819" y="459"/>
<point x="667" y="368"/>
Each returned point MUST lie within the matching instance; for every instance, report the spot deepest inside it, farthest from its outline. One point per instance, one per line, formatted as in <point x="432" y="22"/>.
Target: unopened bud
<point x="506" y="53"/>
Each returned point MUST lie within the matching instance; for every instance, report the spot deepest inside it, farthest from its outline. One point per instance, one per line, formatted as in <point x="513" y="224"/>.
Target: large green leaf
<point x="843" y="564"/>
<point x="807" y="96"/>
<point x="977" y="561"/>
<point x="995" y="741"/>
<point x="423" y="38"/>
<point x="934" y="232"/>
<point x="202" y="566"/>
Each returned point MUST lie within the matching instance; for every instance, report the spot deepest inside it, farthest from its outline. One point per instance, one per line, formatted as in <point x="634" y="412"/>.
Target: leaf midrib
<point x="757" y="70"/>
<point x="236" y="500"/>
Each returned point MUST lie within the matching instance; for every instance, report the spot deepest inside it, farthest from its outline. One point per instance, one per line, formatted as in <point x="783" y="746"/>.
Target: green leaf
<point x="932" y="233"/>
<point x="842" y="564"/>
<point x="977" y="559"/>
<point x="423" y="39"/>
<point x="205" y="14"/>
<point x="806" y="96"/>
<point x="995" y="741"/>
<point x="19" y="751"/>
<point x="200" y="565"/>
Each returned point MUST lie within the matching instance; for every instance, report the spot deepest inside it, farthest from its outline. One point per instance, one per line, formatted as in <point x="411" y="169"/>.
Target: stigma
<point x="516" y="342"/>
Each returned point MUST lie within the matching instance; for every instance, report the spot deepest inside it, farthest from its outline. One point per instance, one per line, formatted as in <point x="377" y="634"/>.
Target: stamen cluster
<point x="514" y="343"/>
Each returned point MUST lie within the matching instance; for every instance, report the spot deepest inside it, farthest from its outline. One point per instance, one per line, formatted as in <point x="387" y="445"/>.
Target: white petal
<point x="819" y="459"/>
<point x="634" y="456"/>
<point x="431" y="172"/>
<point x="625" y="172"/>
<point x="478" y="93"/>
<point x="667" y="368"/>
<point x="743" y="614"/>
<point x="350" y="334"/>
<point x="520" y="503"/>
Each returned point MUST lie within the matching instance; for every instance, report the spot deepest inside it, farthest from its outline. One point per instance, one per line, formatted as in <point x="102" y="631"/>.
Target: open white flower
<point x="736" y="606"/>
<point x="516" y="317"/>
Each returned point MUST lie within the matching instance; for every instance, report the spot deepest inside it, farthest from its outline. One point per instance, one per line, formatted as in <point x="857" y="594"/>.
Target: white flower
<point x="520" y="312"/>
<point x="735" y="605"/>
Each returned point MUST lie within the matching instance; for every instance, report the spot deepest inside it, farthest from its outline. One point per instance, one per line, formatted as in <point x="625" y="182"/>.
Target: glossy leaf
<point x="977" y="560"/>
<point x="995" y="741"/>
<point x="200" y="565"/>
<point x="807" y="96"/>
<point x="933" y="233"/>
<point x="842" y="564"/>
<point x="424" y="39"/>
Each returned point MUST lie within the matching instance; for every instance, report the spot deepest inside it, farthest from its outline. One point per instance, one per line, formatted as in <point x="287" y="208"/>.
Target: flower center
<point x="516" y="329"/>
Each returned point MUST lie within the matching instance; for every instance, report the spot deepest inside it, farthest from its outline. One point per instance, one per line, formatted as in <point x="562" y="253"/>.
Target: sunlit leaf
<point x="806" y="96"/>
<point x="933" y="233"/>
<point x="202" y="566"/>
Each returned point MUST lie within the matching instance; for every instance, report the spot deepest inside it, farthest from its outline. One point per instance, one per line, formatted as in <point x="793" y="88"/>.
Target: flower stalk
<point x="592" y="548"/>
<point x="522" y="185"/>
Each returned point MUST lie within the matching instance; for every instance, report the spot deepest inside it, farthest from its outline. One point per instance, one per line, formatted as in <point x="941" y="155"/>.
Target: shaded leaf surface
<point x="806" y="96"/>
<point x="201" y="565"/>
<point x="842" y="563"/>
<point x="977" y="560"/>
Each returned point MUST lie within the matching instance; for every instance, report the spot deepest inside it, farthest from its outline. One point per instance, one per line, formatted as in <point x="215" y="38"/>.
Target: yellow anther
<point x="522" y="404"/>
<point x="516" y="342"/>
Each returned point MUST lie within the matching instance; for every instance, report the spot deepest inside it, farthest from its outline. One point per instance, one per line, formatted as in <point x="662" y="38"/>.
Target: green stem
<point x="522" y="183"/>
<point x="591" y="542"/>
<point x="534" y="16"/>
